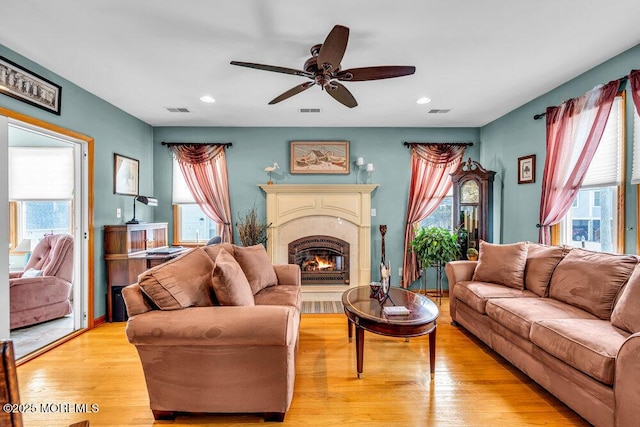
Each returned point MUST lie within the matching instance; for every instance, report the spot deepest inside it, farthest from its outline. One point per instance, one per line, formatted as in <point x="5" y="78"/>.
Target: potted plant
<point x="435" y="246"/>
<point x="472" y="254"/>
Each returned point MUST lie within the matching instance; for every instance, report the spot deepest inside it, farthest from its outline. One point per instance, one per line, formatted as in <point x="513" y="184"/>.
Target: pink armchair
<point x="45" y="297"/>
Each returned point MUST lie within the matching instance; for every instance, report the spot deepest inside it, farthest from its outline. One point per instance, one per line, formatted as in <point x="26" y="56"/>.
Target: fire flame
<point x="324" y="264"/>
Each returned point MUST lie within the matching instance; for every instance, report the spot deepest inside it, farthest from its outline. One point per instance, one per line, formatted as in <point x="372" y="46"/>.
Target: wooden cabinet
<point x="473" y="202"/>
<point x="126" y="255"/>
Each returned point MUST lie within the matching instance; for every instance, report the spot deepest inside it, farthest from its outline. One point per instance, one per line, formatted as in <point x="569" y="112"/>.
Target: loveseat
<point x="41" y="292"/>
<point x="569" y="318"/>
<point x="216" y="330"/>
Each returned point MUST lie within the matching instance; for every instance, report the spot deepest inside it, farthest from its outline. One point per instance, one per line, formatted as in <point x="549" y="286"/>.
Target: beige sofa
<point x="216" y="330"/>
<point x="568" y="318"/>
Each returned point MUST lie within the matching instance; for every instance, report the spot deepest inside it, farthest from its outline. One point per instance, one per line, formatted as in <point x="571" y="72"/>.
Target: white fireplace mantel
<point x="350" y="202"/>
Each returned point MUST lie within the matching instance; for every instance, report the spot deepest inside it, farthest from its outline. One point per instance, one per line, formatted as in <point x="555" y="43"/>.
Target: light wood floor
<point x="473" y="386"/>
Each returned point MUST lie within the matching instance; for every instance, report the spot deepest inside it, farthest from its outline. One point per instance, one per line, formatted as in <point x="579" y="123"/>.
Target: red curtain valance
<point x="204" y="167"/>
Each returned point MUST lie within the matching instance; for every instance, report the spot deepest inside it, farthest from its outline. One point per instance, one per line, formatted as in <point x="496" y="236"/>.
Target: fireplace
<point x="323" y="260"/>
<point x="337" y="211"/>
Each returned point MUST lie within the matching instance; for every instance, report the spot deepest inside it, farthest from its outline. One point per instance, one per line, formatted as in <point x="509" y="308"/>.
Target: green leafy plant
<point x="472" y="254"/>
<point x="435" y="246"/>
<point x="251" y="229"/>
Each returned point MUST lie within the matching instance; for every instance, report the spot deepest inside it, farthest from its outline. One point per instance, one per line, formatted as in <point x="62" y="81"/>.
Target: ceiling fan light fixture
<point x="423" y="100"/>
<point x="207" y="99"/>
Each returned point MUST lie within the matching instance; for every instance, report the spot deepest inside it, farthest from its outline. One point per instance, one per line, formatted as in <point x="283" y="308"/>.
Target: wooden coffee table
<point x="366" y="313"/>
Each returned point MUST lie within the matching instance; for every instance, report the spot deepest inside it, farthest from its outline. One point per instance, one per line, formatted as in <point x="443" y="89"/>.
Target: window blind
<point x="41" y="173"/>
<point x="180" y="192"/>
<point x="605" y="169"/>
<point x="635" y="168"/>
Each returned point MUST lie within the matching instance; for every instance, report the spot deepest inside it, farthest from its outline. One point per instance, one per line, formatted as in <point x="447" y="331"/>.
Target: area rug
<point x="322" y="307"/>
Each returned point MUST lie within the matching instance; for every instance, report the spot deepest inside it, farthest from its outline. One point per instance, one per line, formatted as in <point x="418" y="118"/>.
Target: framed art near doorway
<point x="26" y="86"/>
<point x="126" y="173"/>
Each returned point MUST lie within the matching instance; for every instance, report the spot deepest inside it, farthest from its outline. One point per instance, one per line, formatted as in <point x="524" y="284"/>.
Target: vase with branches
<point x="251" y="228"/>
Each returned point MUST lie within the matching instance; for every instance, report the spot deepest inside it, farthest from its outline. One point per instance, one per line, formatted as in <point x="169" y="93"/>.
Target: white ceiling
<point x="481" y="59"/>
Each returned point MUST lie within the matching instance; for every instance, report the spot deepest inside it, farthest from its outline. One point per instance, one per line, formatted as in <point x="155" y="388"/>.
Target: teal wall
<point x="516" y="134"/>
<point x="497" y="145"/>
<point x="113" y="131"/>
<point x="255" y="148"/>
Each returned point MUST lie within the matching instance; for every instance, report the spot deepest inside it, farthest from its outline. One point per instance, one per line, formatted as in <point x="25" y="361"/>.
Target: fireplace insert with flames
<point x="323" y="260"/>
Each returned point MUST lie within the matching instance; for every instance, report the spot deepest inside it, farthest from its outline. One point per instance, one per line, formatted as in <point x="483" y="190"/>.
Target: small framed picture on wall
<point x="527" y="169"/>
<point x="125" y="175"/>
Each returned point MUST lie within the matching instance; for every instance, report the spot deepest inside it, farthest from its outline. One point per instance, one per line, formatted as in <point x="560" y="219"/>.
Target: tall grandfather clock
<point x="473" y="202"/>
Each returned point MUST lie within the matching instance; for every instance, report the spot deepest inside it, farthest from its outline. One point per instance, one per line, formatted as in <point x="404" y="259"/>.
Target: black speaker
<point x="119" y="310"/>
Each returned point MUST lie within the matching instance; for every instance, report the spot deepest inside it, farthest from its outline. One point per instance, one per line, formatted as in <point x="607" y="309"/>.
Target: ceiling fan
<point x="323" y="68"/>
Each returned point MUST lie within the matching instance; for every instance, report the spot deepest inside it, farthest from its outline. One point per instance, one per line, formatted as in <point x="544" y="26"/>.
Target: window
<point x="44" y="217"/>
<point x="594" y="220"/>
<point x="190" y="224"/>
<point x="40" y="203"/>
<point x="442" y="216"/>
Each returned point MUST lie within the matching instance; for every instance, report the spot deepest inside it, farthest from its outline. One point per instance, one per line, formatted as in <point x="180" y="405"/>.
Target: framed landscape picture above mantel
<point x="20" y="83"/>
<point x="328" y="157"/>
<point x="527" y="169"/>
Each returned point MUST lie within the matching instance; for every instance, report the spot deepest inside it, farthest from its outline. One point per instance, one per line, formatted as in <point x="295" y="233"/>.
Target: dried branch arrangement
<point x="251" y="229"/>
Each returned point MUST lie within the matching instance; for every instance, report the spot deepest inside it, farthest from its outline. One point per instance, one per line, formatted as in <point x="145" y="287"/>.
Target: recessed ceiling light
<point x="208" y="99"/>
<point x="423" y="100"/>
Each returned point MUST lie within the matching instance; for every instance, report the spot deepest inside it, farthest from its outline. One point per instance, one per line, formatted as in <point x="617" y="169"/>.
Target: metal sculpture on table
<point x="381" y="290"/>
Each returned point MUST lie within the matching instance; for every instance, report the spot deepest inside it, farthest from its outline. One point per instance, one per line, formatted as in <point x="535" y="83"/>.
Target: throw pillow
<point x="626" y="313"/>
<point x="229" y="282"/>
<point x="32" y="272"/>
<point x="541" y="261"/>
<point x="591" y="280"/>
<point x="182" y="282"/>
<point x="256" y="264"/>
<point x="214" y="250"/>
<point x="502" y="264"/>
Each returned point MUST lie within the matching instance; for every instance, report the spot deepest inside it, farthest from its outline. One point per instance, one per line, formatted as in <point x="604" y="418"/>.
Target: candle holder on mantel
<point x="360" y="165"/>
<point x="370" y="168"/>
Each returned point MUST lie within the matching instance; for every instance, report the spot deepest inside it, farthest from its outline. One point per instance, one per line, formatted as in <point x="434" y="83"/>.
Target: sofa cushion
<point x="214" y="250"/>
<point x="518" y="314"/>
<point x="591" y="280"/>
<point x="502" y="264"/>
<point x="626" y="313"/>
<point x="181" y="282"/>
<point x="256" y="264"/>
<point x="229" y="282"/>
<point x="589" y="345"/>
<point x="290" y="295"/>
<point x="476" y="294"/>
<point x="541" y="261"/>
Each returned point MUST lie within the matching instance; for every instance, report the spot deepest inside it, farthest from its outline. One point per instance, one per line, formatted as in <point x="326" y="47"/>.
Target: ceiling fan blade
<point x="341" y="94"/>
<point x="293" y="91"/>
<point x="375" y="73"/>
<point x="333" y="48"/>
<point x="272" y="68"/>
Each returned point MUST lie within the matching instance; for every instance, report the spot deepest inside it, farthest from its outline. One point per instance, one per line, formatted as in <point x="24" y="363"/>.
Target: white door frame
<point x="4" y="229"/>
<point x="81" y="232"/>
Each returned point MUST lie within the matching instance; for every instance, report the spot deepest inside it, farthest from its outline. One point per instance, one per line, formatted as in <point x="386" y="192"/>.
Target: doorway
<point x="34" y="215"/>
